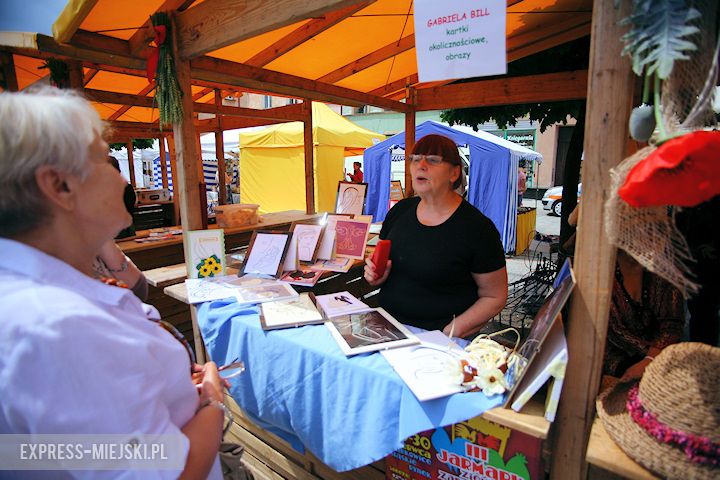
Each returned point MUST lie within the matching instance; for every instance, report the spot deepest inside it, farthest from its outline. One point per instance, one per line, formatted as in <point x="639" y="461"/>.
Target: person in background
<point x="522" y="184"/>
<point x="357" y="175"/>
<point x="78" y="356"/>
<point x="112" y="264"/>
<point x="447" y="264"/>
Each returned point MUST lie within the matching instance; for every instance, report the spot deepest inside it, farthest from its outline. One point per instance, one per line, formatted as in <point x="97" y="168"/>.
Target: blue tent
<point x="492" y="186"/>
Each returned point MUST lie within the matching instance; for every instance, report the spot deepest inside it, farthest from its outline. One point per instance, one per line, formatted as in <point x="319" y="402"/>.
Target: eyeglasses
<point x="431" y="159"/>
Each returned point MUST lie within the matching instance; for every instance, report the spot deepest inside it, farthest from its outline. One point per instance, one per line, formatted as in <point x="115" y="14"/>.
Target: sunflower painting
<point x="207" y="253"/>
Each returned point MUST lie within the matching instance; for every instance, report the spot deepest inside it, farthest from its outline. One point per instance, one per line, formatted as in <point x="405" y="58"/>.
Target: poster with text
<point x="460" y="39"/>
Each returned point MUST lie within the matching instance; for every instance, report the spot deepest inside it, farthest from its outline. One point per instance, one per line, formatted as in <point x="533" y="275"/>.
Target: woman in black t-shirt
<point x="446" y="259"/>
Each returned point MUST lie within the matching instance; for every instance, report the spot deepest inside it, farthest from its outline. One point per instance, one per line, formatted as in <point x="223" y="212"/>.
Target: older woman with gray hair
<point x="78" y="356"/>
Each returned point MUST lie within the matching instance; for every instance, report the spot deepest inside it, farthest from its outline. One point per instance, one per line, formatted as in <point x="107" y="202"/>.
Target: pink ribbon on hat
<point x="697" y="449"/>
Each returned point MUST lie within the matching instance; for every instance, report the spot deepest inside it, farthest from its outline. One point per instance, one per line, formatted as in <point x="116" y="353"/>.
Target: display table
<point x="525" y="229"/>
<point x="169" y="251"/>
<point x="298" y="384"/>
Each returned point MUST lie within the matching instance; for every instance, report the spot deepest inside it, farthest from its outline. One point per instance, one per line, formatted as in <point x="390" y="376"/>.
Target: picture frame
<point x="351" y="238"/>
<point x="304" y="277"/>
<point x="326" y="250"/>
<point x="266" y="253"/>
<point x="266" y="292"/>
<point x="369" y="331"/>
<point x="541" y="326"/>
<point x="350" y="197"/>
<point x="206" y="252"/>
<point x="307" y="237"/>
<point x="292" y="312"/>
<point x="396" y="190"/>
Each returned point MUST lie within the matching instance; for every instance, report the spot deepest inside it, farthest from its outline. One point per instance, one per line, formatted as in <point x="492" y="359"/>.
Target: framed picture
<point x="302" y="276"/>
<point x="267" y="292"/>
<point x="350" y="198"/>
<point x="326" y="250"/>
<point x="541" y="326"/>
<point x="396" y="190"/>
<point x="206" y="249"/>
<point x="369" y="331"/>
<point x="266" y="253"/>
<point x="307" y="236"/>
<point x="350" y="238"/>
<point x="293" y="312"/>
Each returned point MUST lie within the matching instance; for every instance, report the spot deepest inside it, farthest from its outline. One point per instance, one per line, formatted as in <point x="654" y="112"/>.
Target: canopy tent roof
<point x="351" y="52"/>
<point x="492" y="179"/>
<point x="328" y="128"/>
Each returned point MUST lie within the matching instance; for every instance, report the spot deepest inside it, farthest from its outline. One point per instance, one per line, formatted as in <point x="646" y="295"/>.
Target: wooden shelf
<point x="530" y="420"/>
<point x="603" y="452"/>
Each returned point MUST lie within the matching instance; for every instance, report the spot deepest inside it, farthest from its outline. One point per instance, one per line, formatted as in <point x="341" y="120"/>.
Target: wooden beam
<point x="309" y="156"/>
<point x="214" y="24"/>
<point x="173" y="171"/>
<point x="163" y="163"/>
<point x="187" y="180"/>
<point x="230" y="123"/>
<point x="75" y="73"/>
<point x="303" y="33"/>
<point x="202" y="93"/>
<point x="549" y="87"/>
<point x="131" y="162"/>
<point x="380" y="55"/>
<point x="226" y="72"/>
<point x="71" y="18"/>
<point x="548" y="36"/>
<point x="393" y="87"/>
<point x="121" y="111"/>
<point x="89" y="75"/>
<point x="145" y="34"/>
<point x="610" y="92"/>
<point x="288" y="113"/>
<point x="409" y="139"/>
<point x="8" y="71"/>
<point x="214" y="72"/>
<point x="220" y="152"/>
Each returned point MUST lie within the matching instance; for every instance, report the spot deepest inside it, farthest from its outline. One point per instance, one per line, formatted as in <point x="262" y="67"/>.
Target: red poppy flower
<point x="684" y="171"/>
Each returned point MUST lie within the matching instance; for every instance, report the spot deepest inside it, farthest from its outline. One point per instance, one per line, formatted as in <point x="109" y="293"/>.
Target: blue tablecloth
<point x="298" y="384"/>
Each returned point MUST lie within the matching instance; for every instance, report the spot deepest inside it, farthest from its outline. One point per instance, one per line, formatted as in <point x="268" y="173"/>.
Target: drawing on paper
<point x="350" y="238"/>
<point x="266" y="253"/>
<point x="350" y="198"/>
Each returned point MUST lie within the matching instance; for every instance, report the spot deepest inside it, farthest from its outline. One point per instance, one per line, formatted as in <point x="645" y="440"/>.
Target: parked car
<point x="552" y="200"/>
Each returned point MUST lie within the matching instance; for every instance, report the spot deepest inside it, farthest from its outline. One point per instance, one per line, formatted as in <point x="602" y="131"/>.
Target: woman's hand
<point x="371" y="275"/>
<point x="211" y="384"/>
<point x="636" y="371"/>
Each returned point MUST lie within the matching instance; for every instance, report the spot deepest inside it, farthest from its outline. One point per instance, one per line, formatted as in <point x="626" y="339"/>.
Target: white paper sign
<point x="460" y="39"/>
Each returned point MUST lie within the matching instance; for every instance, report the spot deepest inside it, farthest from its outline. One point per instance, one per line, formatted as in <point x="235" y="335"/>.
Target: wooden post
<point x="409" y="138"/>
<point x="77" y="76"/>
<point x="187" y="180"/>
<point x="8" y="71"/>
<point x="163" y="163"/>
<point x="176" y="184"/>
<point x="309" y="158"/>
<point x="131" y="162"/>
<point x="610" y="91"/>
<point x="220" y="152"/>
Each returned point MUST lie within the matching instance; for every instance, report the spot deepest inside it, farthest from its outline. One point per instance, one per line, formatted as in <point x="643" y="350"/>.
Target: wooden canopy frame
<point x="206" y="27"/>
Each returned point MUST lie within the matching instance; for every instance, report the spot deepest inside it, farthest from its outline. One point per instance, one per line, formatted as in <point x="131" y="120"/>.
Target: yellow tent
<point x="272" y="161"/>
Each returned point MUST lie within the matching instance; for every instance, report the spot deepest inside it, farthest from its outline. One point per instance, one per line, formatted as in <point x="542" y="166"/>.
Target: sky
<point x="29" y="15"/>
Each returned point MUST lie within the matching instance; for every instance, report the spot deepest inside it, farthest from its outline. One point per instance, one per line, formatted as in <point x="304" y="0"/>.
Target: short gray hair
<point x="46" y="127"/>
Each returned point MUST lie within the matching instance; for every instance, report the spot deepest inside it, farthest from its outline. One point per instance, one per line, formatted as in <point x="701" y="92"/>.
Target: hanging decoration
<point x="59" y="72"/>
<point x="670" y="45"/>
<point x="161" y="66"/>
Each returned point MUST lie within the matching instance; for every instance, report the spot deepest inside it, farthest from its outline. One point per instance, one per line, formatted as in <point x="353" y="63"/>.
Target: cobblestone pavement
<point x="520" y="265"/>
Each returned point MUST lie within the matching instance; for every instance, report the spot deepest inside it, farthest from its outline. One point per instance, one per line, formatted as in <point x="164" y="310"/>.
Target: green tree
<point x="138" y="143"/>
<point x="566" y="57"/>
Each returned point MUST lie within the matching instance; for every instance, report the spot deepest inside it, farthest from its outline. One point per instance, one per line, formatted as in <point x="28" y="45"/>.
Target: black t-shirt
<point x="431" y="277"/>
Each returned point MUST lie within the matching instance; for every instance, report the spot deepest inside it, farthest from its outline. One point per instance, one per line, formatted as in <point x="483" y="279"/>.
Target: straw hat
<point x="677" y="398"/>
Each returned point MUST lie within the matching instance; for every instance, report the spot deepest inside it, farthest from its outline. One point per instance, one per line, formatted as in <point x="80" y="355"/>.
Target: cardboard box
<point x="475" y="449"/>
<point x="236" y="215"/>
<point x="147" y="196"/>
